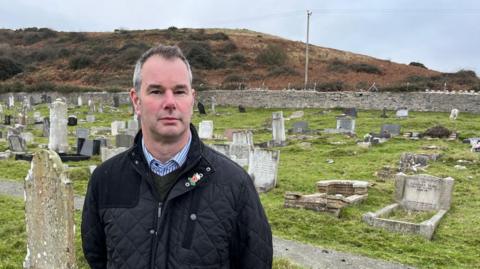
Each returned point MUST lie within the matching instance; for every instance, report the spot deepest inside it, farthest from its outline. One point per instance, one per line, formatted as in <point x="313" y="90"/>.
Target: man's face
<point x="165" y="101"/>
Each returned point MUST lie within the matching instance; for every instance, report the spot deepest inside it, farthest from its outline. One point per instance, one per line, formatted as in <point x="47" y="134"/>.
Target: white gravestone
<point x="107" y="153"/>
<point x="205" y="129"/>
<point x="79" y="101"/>
<point x="346" y="123"/>
<point x="278" y="128"/>
<point x="11" y="101"/>
<point x="263" y="168"/>
<point x="58" y="127"/>
<point x="241" y="147"/>
<point x="402" y="113"/>
<point x="90" y="118"/>
<point x="454" y="114"/>
<point x="117" y="126"/>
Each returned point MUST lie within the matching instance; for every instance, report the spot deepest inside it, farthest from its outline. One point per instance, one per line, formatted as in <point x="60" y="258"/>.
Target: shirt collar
<point x="179" y="158"/>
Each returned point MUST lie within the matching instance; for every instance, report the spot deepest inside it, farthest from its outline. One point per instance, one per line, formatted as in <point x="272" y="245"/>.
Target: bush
<point x="276" y="71"/>
<point x="199" y="54"/>
<point x="80" y="62"/>
<point x="365" y="68"/>
<point x="9" y="68"/>
<point x="338" y="66"/>
<point x="329" y="86"/>
<point x="417" y="64"/>
<point x="437" y="132"/>
<point x="229" y="47"/>
<point x="218" y="36"/>
<point x="272" y="55"/>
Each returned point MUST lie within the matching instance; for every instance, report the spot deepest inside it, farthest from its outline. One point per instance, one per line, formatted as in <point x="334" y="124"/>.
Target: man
<point x="170" y="201"/>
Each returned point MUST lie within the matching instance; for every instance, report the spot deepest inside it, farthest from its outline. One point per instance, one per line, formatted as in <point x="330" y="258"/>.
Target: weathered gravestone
<point x="205" y="129"/>
<point x="79" y="101"/>
<point x="241" y="147"/>
<point x="300" y="127"/>
<point x="241" y="109"/>
<point x="263" y="168"/>
<point x="46" y="127"/>
<point x="16" y="143"/>
<point x="201" y="108"/>
<point x="49" y="214"/>
<point x="82" y="132"/>
<point x="402" y="112"/>
<point x="90" y="118"/>
<point x="222" y="148"/>
<point x="388" y="130"/>
<point x="412" y="161"/>
<point x="278" y="129"/>
<point x="346" y="124"/>
<point x="384" y="113"/>
<point x="124" y="140"/>
<point x="297" y="114"/>
<point x="37" y="117"/>
<point x="116" y="101"/>
<point x="332" y="196"/>
<point x="117" y="127"/>
<point x="350" y="111"/>
<point x="213" y="103"/>
<point x="72" y="120"/>
<point x="58" y="127"/>
<point x="415" y="193"/>
<point x="90" y="147"/>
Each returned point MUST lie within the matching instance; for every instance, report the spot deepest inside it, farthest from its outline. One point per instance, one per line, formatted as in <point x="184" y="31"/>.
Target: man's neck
<point x="163" y="150"/>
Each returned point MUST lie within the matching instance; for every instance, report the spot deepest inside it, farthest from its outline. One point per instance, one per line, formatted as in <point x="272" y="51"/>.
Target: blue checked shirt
<point x="171" y="165"/>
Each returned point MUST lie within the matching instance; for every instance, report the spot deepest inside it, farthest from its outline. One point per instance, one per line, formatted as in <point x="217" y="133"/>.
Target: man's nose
<point x="169" y="100"/>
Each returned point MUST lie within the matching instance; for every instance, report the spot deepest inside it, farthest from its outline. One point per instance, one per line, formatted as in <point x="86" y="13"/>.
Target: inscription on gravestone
<point x="263" y="167"/>
<point x="205" y="129"/>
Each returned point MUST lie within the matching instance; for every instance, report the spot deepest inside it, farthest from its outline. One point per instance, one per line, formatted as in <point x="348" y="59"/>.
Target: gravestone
<point x="27" y="137"/>
<point x="11" y="101"/>
<point x="411" y="161"/>
<point x="415" y="193"/>
<point x="90" y="147"/>
<point x="16" y="143"/>
<point x="241" y="147"/>
<point x="241" y="109"/>
<point x="263" y="168"/>
<point x="453" y="114"/>
<point x="351" y="112"/>
<point x="116" y="101"/>
<point x="117" y="126"/>
<point x="49" y="99"/>
<point x="402" y="112"/>
<point x="79" y="101"/>
<point x="222" y="148"/>
<point x="392" y="129"/>
<point x="90" y="118"/>
<point x="123" y="140"/>
<point x="58" y="127"/>
<point x="37" y="117"/>
<point x="278" y="128"/>
<point x="49" y="214"/>
<point x="201" y="109"/>
<point x="205" y="129"/>
<point x="300" y="127"/>
<point x="82" y="132"/>
<point x="346" y="124"/>
<point x="132" y="125"/>
<point x="72" y="120"/>
<point x="384" y="113"/>
<point x="80" y="141"/>
<point x="46" y="127"/>
<point x="8" y="120"/>
<point x="213" y="103"/>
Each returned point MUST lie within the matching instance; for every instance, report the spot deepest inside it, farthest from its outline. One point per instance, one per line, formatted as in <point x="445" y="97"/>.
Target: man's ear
<point x="135" y="100"/>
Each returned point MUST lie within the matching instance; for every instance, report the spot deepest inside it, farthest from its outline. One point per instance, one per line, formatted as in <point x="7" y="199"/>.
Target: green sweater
<point x="165" y="183"/>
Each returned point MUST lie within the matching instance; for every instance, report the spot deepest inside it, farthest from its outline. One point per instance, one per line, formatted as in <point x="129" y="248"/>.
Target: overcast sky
<point x="443" y="35"/>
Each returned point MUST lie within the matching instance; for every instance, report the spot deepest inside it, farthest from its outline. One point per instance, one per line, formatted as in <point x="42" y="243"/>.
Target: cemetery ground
<point x="306" y="159"/>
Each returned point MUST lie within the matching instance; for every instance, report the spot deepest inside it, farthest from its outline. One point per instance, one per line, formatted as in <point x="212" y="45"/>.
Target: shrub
<point x="233" y="78"/>
<point x="80" y="62"/>
<point x="272" y="55"/>
<point x="9" y="68"/>
<point x="199" y="54"/>
<point x="437" y="132"/>
<point x="229" y="47"/>
<point x="338" y="66"/>
<point x="31" y="38"/>
<point x="417" y="64"/>
<point x="365" y="68"/>
<point x="237" y="59"/>
<point x="218" y="36"/>
<point x="329" y="86"/>
<point x="276" y="71"/>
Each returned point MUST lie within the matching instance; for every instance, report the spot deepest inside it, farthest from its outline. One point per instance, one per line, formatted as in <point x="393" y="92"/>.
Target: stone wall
<point x="414" y="101"/>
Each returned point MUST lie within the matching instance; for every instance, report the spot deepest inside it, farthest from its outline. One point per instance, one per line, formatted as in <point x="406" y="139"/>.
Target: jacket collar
<point x="195" y="165"/>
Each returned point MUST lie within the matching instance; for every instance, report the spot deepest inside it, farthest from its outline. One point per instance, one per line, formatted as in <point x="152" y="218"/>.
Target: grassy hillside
<point x="40" y="59"/>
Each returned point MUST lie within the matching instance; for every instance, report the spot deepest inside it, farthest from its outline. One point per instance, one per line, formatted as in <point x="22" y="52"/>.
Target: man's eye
<point x="180" y="91"/>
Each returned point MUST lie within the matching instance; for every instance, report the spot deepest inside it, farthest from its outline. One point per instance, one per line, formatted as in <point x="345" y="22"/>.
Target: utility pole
<point x="306" y="49"/>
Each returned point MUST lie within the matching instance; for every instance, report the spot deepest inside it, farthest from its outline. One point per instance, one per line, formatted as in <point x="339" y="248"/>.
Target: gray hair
<point x="166" y="52"/>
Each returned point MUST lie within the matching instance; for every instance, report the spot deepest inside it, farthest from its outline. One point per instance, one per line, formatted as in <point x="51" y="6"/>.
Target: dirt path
<point x="302" y="254"/>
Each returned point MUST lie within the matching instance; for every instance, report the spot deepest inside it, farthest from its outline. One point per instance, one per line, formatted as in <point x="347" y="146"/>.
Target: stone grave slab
<point x="332" y="196"/>
<point x="58" y="127"/>
<point x="82" y="132"/>
<point x="124" y="140"/>
<point x="278" y="129"/>
<point x="411" y="161"/>
<point x="201" y="108"/>
<point x="346" y="124"/>
<point x="90" y="147"/>
<point x="415" y="193"/>
<point x="49" y="214"/>
<point x="205" y="130"/>
<point x="300" y="127"/>
<point x="222" y="148"/>
<point x="16" y="143"/>
<point x="297" y="114"/>
<point x="263" y="168"/>
<point x="117" y="126"/>
<point x="351" y="112"/>
<point x="402" y="112"/>
<point x="107" y="153"/>
<point x="391" y="129"/>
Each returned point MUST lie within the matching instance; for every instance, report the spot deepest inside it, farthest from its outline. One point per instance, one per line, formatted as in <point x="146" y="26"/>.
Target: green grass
<point x="455" y="244"/>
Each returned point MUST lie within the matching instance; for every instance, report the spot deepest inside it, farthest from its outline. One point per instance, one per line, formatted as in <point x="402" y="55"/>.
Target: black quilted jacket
<point x="218" y="222"/>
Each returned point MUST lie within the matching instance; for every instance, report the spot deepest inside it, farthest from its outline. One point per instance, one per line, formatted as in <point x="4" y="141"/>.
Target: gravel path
<point x="302" y="254"/>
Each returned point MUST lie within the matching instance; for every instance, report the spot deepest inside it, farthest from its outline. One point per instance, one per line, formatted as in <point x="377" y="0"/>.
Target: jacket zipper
<point x="155" y="239"/>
